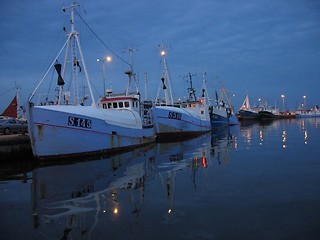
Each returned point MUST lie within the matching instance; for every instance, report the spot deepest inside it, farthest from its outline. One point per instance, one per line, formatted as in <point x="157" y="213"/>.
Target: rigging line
<point x="100" y="39"/>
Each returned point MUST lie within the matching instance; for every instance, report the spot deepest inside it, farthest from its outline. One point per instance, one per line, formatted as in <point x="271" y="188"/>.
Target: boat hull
<point x="307" y="115"/>
<point x="267" y="115"/>
<point x="219" y="117"/>
<point x="78" y="130"/>
<point x="177" y="122"/>
<point x="247" y="114"/>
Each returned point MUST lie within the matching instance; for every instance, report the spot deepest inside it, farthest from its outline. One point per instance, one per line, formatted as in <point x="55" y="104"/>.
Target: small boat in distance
<point x="246" y="112"/>
<point x="66" y="127"/>
<point x="269" y="113"/>
<point x="313" y="112"/>
<point x="179" y="119"/>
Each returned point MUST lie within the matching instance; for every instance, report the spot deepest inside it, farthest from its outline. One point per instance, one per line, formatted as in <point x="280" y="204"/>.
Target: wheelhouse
<point x="130" y="102"/>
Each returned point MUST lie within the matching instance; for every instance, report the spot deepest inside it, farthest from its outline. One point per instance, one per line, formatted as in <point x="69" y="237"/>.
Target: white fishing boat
<point x="177" y="119"/>
<point x="246" y="112"/>
<point x="66" y="126"/>
<point x="310" y="113"/>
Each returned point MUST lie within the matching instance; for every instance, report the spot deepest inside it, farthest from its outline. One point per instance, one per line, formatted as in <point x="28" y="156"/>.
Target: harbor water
<point x="255" y="180"/>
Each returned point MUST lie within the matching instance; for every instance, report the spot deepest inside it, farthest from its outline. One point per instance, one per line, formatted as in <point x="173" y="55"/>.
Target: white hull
<point x="174" y="120"/>
<point x="308" y="114"/>
<point x="58" y="130"/>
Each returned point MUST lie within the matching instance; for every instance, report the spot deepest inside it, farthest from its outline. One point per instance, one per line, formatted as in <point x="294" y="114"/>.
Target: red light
<point x="204" y="162"/>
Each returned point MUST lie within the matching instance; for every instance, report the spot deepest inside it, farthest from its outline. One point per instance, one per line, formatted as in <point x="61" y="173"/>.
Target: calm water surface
<point x="251" y="181"/>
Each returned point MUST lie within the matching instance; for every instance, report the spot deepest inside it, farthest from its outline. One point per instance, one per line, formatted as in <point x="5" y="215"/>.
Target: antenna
<point x="131" y="73"/>
<point x="192" y="91"/>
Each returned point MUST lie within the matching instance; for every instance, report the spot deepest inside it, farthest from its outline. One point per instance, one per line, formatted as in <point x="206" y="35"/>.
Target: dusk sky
<point x="261" y="48"/>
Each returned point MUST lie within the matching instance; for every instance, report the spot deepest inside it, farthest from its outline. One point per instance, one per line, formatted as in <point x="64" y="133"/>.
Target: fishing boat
<point x="246" y="112"/>
<point x="66" y="126"/>
<point x="313" y="112"/>
<point x="269" y="113"/>
<point x="177" y="119"/>
<point x="223" y="111"/>
<point x="219" y="115"/>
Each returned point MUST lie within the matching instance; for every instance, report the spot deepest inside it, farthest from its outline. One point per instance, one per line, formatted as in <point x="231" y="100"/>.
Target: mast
<point x="131" y="74"/>
<point x="224" y="92"/>
<point x="166" y="86"/>
<point x="73" y="38"/>
<point x="192" y="91"/>
<point x="145" y="86"/>
<point x="205" y="90"/>
<point x="74" y="42"/>
<point x="246" y="105"/>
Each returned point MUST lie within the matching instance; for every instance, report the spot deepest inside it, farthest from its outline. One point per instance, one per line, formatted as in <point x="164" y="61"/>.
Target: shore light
<point x="282" y="96"/>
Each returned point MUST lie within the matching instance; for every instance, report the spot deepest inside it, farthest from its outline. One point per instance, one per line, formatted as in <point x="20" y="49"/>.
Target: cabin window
<point x="109" y="105"/>
<point x="104" y="105"/>
<point x="126" y="104"/>
<point x="120" y="104"/>
<point x="202" y="112"/>
<point x="115" y="105"/>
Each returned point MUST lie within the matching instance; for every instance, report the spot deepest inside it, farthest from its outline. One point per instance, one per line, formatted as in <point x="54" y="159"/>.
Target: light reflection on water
<point x="221" y="185"/>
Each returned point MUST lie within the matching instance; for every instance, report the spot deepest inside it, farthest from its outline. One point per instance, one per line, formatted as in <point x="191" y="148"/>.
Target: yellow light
<point x="163" y="53"/>
<point x="115" y="211"/>
<point x="108" y="58"/>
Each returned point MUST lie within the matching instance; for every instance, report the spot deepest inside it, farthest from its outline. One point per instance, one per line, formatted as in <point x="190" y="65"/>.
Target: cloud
<point x="248" y="44"/>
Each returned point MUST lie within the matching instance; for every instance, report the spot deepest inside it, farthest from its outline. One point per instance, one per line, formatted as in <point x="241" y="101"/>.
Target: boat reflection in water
<point x="70" y="199"/>
<point x="275" y="133"/>
<point x="87" y="199"/>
